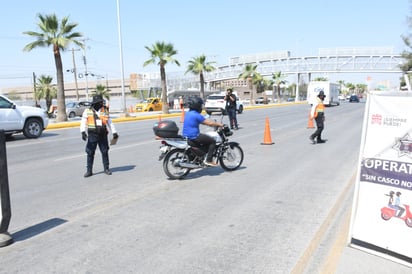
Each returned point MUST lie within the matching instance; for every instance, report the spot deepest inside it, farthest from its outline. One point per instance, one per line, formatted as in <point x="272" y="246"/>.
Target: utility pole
<point x="85" y="68"/>
<point x="34" y="90"/>
<point x="75" y="75"/>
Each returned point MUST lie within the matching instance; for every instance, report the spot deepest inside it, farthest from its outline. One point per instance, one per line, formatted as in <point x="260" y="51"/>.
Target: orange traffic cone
<point x="267" y="139"/>
<point x="310" y="122"/>
<point x="182" y="118"/>
<point x="159" y="117"/>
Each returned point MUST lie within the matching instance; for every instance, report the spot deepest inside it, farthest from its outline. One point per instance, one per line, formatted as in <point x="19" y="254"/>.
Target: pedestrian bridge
<point x="328" y="60"/>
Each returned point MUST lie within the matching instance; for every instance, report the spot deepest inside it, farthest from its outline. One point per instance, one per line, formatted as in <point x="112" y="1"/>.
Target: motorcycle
<point x="387" y="213"/>
<point x="181" y="155"/>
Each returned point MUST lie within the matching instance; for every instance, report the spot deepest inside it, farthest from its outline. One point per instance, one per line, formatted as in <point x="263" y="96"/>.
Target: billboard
<point x="381" y="215"/>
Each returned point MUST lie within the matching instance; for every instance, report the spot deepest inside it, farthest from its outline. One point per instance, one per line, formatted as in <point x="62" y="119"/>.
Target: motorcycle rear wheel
<point x="385" y="216"/>
<point x="232" y="157"/>
<point x="171" y="163"/>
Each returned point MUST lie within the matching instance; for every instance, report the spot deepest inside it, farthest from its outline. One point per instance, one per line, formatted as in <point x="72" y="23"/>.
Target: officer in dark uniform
<point x="97" y="123"/>
<point x="230" y="99"/>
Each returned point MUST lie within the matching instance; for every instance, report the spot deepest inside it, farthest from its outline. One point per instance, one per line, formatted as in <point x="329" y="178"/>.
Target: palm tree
<point x="44" y="90"/>
<point x="278" y="79"/>
<point x="351" y="87"/>
<point x="250" y="73"/>
<point x="197" y="66"/>
<point x="162" y="53"/>
<point x="59" y="35"/>
<point x="103" y="91"/>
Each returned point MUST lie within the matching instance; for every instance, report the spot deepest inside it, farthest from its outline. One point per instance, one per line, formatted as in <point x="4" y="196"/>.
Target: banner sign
<point x="382" y="214"/>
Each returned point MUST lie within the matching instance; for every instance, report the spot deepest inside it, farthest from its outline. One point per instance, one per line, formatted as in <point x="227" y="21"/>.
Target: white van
<point x="331" y="91"/>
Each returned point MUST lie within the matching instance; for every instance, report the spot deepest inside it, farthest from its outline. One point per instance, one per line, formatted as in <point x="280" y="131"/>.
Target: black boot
<point x="107" y="171"/>
<point x="312" y="139"/>
<point x="88" y="173"/>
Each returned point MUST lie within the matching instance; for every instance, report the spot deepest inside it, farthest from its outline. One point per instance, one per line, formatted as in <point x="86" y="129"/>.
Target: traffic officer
<point x="230" y="99"/>
<point x="97" y="123"/>
<point x="318" y="113"/>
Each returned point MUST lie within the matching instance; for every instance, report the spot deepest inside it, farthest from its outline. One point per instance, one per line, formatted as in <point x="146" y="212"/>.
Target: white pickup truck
<point x="15" y="119"/>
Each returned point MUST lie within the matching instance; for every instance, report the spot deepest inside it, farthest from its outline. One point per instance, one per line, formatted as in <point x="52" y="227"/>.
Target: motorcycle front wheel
<point x="232" y="157"/>
<point x="171" y="164"/>
<point x="408" y="222"/>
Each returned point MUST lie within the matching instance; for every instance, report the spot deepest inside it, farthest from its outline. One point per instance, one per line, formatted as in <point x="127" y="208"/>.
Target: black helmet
<point x="321" y="93"/>
<point x="97" y="99"/>
<point x="196" y="103"/>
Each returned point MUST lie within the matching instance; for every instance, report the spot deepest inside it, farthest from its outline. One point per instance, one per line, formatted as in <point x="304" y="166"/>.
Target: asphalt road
<point x="284" y="211"/>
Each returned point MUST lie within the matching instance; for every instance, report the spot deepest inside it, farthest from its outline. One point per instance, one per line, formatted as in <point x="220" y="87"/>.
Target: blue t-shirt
<point x="191" y="124"/>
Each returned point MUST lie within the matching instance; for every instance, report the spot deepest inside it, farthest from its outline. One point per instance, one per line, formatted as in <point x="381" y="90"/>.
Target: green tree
<point x="351" y="87"/>
<point x="361" y="88"/>
<point x="341" y="84"/>
<point x="250" y="73"/>
<point x="59" y="35"/>
<point x="162" y="53"/>
<point x="45" y="90"/>
<point x="197" y="66"/>
<point x="322" y="79"/>
<point x="278" y="79"/>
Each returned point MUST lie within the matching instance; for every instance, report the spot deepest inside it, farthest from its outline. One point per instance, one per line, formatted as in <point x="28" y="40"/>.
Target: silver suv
<point x="14" y="119"/>
<point x="217" y="103"/>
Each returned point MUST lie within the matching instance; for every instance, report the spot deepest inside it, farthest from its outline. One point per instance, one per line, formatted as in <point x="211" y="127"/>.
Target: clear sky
<point x="220" y="29"/>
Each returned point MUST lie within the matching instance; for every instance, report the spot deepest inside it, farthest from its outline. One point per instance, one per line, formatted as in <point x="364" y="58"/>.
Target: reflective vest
<point x="319" y="108"/>
<point x="95" y="122"/>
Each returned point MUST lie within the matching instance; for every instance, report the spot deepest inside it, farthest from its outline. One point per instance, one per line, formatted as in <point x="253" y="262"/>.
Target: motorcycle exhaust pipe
<point x="188" y="165"/>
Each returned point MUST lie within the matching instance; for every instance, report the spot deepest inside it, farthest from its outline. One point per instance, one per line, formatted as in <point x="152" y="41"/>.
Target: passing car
<point x="354" y="98"/>
<point x="216" y="103"/>
<point x="150" y="104"/>
<point x="15" y="119"/>
<point x="74" y="109"/>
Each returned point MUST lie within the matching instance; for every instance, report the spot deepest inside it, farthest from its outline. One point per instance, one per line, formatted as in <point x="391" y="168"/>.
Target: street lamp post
<point x="124" y="109"/>
<point x="85" y="74"/>
<point x="75" y="75"/>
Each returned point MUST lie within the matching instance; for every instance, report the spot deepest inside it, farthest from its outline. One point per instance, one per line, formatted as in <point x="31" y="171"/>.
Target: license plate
<point x="163" y="151"/>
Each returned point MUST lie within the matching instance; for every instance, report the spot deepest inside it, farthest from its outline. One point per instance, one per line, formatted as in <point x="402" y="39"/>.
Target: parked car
<point x="150" y="104"/>
<point x="261" y="100"/>
<point x="217" y="103"/>
<point x="354" y="98"/>
<point x="15" y="119"/>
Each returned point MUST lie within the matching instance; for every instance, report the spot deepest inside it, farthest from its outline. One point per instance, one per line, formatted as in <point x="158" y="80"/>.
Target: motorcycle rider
<point x="191" y="131"/>
<point x="398" y="204"/>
